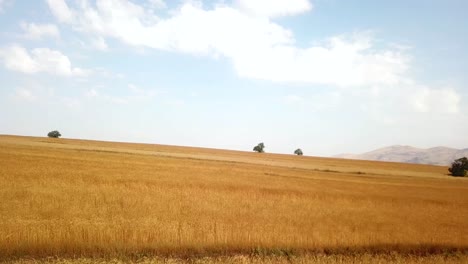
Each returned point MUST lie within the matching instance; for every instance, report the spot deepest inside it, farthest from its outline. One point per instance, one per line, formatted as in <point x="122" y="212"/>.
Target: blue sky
<point x="327" y="76"/>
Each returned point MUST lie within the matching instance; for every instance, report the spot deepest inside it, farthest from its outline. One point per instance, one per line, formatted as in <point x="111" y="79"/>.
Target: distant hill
<point x="408" y="154"/>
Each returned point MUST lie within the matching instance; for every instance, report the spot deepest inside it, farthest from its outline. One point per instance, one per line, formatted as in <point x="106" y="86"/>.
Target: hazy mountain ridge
<point x="436" y="155"/>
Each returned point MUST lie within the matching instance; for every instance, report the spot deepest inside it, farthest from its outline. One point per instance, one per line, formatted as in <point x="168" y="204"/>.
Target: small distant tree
<point x="459" y="167"/>
<point x="259" y="148"/>
<point x="54" y="134"/>
<point x="298" y="152"/>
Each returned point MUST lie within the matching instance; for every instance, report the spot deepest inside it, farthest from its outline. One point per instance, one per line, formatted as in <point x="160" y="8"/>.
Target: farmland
<point x="78" y="200"/>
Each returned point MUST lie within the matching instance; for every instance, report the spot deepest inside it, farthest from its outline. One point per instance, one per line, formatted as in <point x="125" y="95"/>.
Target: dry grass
<point x="243" y="259"/>
<point x="72" y="198"/>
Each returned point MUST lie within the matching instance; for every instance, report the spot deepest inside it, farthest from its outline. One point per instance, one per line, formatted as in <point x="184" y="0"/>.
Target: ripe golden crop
<point x="69" y="198"/>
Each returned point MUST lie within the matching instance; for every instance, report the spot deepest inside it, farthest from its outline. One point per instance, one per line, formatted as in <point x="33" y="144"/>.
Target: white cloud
<point x="444" y="100"/>
<point x="60" y="10"/>
<point x="39" y="60"/>
<point x="99" y="43"/>
<point x="91" y="93"/>
<point x="274" y="8"/>
<point x="38" y="31"/>
<point x="408" y="101"/>
<point x="257" y="47"/>
<point x="340" y="61"/>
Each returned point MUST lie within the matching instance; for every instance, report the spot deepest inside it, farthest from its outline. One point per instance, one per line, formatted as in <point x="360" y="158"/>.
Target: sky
<point x="326" y="76"/>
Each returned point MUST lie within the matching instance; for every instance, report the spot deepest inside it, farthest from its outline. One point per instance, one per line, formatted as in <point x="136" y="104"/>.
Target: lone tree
<point x="54" y="134"/>
<point x="298" y="152"/>
<point x="459" y="167"/>
<point x="259" y="148"/>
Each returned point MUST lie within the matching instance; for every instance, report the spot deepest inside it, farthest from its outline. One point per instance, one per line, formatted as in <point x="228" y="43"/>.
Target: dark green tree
<point x="459" y="167"/>
<point x="259" y="148"/>
<point x="54" y="134"/>
<point x="298" y="152"/>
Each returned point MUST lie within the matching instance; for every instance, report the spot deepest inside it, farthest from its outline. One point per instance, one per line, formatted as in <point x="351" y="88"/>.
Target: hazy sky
<point x="327" y="76"/>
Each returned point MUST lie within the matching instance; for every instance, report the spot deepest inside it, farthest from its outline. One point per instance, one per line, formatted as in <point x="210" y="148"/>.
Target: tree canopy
<point x="54" y="134"/>
<point x="298" y="152"/>
<point x="459" y="167"/>
<point x="259" y="148"/>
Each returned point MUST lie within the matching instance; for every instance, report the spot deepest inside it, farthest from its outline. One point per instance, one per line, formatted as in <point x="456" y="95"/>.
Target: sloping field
<point x="75" y="199"/>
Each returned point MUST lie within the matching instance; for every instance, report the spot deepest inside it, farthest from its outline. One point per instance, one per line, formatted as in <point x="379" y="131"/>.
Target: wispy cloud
<point x="258" y="47"/>
<point x="274" y="8"/>
<point x="91" y="93"/>
<point x="60" y="10"/>
<point x="3" y="4"/>
<point x="443" y="100"/>
<point x="99" y="43"/>
<point x="38" y="31"/>
<point x="134" y="94"/>
<point x="158" y="4"/>
<point x="39" y="60"/>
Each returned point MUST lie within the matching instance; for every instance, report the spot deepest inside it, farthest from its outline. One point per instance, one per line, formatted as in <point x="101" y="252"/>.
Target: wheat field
<point x="77" y="201"/>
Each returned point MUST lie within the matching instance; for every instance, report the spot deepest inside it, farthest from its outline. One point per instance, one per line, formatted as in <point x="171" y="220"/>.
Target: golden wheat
<point x="69" y="198"/>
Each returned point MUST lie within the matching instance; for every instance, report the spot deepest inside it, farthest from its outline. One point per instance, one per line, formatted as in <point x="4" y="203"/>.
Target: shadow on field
<point x="395" y="250"/>
<point x="377" y="249"/>
<point x="420" y="250"/>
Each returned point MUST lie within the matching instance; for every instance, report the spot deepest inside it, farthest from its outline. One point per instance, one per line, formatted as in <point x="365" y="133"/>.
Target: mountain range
<point x="435" y="156"/>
